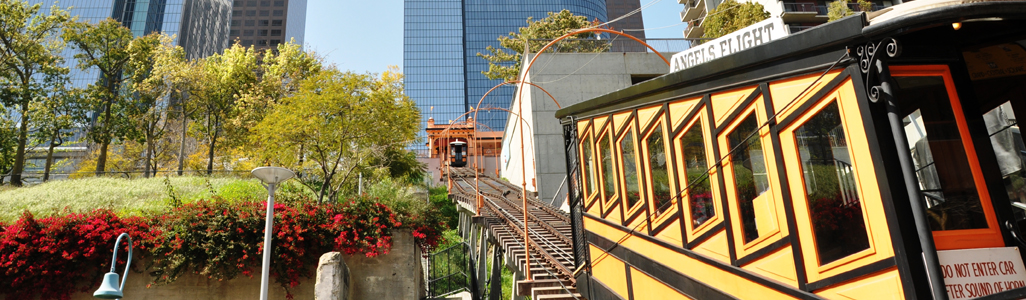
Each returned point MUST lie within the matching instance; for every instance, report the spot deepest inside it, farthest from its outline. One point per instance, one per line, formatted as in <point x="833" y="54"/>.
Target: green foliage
<point x="504" y="63"/>
<point x="125" y="196"/>
<point x="225" y="78"/>
<point x="840" y="9"/>
<point x="730" y="16"/>
<point x="440" y="198"/>
<point x="336" y="121"/>
<point x="29" y="55"/>
<point x="108" y="47"/>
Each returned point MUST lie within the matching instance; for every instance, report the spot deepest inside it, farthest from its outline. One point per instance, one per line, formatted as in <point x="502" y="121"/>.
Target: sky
<point x="367" y="36"/>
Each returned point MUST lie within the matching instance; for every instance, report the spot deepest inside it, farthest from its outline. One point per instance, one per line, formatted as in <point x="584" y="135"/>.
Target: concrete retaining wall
<point x="396" y="275"/>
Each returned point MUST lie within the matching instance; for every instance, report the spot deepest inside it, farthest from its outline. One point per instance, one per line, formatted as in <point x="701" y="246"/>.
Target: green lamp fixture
<point x="109" y="288"/>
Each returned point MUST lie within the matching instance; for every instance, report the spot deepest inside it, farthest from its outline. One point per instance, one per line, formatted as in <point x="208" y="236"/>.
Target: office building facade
<point x="442" y="39"/>
<point x="264" y="24"/>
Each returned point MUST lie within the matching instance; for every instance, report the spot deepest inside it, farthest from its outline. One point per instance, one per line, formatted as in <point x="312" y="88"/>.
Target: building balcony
<point x="692" y="9"/>
<point x="694" y="30"/>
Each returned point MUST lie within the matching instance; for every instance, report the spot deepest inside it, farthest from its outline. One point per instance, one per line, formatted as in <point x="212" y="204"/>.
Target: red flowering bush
<point x="218" y="239"/>
<point x="54" y="256"/>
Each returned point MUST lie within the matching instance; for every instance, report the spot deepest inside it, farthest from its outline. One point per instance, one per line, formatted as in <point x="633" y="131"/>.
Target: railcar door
<point x="956" y="161"/>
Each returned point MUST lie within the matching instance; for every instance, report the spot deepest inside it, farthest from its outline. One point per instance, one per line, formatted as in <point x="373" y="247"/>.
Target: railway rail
<point x="549" y="244"/>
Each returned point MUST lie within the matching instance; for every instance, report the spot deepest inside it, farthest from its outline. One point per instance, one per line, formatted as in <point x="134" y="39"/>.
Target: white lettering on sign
<point x="748" y="37"/>
<point x="976" y="273"/>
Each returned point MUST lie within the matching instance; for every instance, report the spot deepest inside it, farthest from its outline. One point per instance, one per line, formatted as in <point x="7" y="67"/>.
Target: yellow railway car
<point x="873" y="157"/>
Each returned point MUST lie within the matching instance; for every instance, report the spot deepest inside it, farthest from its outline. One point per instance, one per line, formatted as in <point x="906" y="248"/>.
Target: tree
<point x="59" y="113"/>
<point x="225" y="79"/>
<point x="29" y="49"/>
<point x="504" y="63"/>
<point x="338" y="119"/>
<point x="730" y="16"/>
<point x="840" y="9"/>
<point x="158" y="74"/>
<point x="107" y="47"/>
<point x="282" y="72"/>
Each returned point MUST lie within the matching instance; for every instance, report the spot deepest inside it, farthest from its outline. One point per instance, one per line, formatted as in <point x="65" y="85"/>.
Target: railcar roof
<point x="827" y="38"/>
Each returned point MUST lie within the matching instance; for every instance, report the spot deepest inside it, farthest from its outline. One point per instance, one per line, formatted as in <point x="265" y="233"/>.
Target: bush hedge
<point x="55" y="256"/>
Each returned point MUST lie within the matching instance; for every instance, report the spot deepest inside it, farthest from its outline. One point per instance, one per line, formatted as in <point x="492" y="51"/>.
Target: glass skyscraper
<point x="441" y="42"/>
<point x="199" y="26"/>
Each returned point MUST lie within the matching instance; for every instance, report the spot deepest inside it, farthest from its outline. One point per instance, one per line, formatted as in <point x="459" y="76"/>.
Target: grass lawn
<point x="125" y="196"/>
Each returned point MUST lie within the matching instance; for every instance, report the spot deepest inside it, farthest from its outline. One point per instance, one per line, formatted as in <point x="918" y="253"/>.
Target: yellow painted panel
<point x="879" y="286"/>
<point x="582" y="126"/>
<point x="778" y="266"/>
<point x="619" y="119"/>
<point x="726" y="102"/>
<point x="680" y="108"/>
<point x="610" y="271"/>
<point x="672" y="233"/>
<point x="713" y="276"/>
<point x="870" y="196"/>
<point x="645" y="115"/>
<point x="615" y="216"/>
<point x="639" y="223"/>
<point x="596" y="209"/>
<point x="599" y="123"/>
<point x="715" y="247"/>
<point x="647" y="288"/>
<point x="784" y="91"/>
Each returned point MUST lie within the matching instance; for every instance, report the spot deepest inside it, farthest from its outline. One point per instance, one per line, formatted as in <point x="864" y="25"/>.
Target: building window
<point x="236" y="22"/>
<point x="264" y="13"/>
<point x="750" y="177"/>
<point x="265" y="3"/>
<point x="630" y="168"/>
<point x="233" y="32"/>
<point x="264" y="22"/>
<point x="247" y="33"/>
<point x="250" y="13"/>
<point x="246" y="43"/>
<point x="275" y="42"/>
<point x="834" y="206"/>
<point x="238" y="3"/>
<point x="250" y="23"/>
<point x="279" y="13"/>
<point x="279" y="3"/>
<point x="696" y="177"/>
<point x="276" y="23"/>
<point x="236" y="12"/>
<point x="251" y="3"/>
<point x="261" y="43"/>
<point x="262" y="32"/>
<point x="276" y="32"/>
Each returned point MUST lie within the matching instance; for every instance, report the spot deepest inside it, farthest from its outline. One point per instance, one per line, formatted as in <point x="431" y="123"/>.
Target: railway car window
<point x="630" y="169"/>
<point x="660" y="175"/>
<point x="749" y="168"/>
<point x="947" y="185"/>
<point x="586" y="164"/>
<point x="608" y="176"/>
<point x="696" y="178"/>
<point x="834" y="206"/>
<point x="1010" y="151"/>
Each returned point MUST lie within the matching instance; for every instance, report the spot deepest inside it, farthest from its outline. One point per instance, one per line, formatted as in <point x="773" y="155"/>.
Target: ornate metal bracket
<point x="872" y="66"/>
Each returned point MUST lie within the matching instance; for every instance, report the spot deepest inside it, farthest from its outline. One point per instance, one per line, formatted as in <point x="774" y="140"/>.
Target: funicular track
<point x="551" y="253"/>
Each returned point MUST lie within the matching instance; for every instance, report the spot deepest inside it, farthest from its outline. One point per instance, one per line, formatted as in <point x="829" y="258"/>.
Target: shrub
<point x="215" y="238"/>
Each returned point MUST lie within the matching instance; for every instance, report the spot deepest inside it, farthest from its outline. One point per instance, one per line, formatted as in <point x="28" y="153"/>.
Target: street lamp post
<point x="109" y="288"/>
<point x="271" y="176"/>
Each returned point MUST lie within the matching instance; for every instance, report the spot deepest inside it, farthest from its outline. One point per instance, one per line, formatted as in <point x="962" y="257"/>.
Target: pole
<point x="477" y="181"/>
<point x="523" y="172"/>
<point x="265" y="272"/>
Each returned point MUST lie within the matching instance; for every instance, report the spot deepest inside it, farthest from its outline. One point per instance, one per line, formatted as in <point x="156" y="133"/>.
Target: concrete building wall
<point x="571" y="78"/>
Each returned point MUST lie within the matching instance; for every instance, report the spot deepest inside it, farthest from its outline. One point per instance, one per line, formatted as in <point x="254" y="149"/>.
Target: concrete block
<point x="333" y="278"/>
